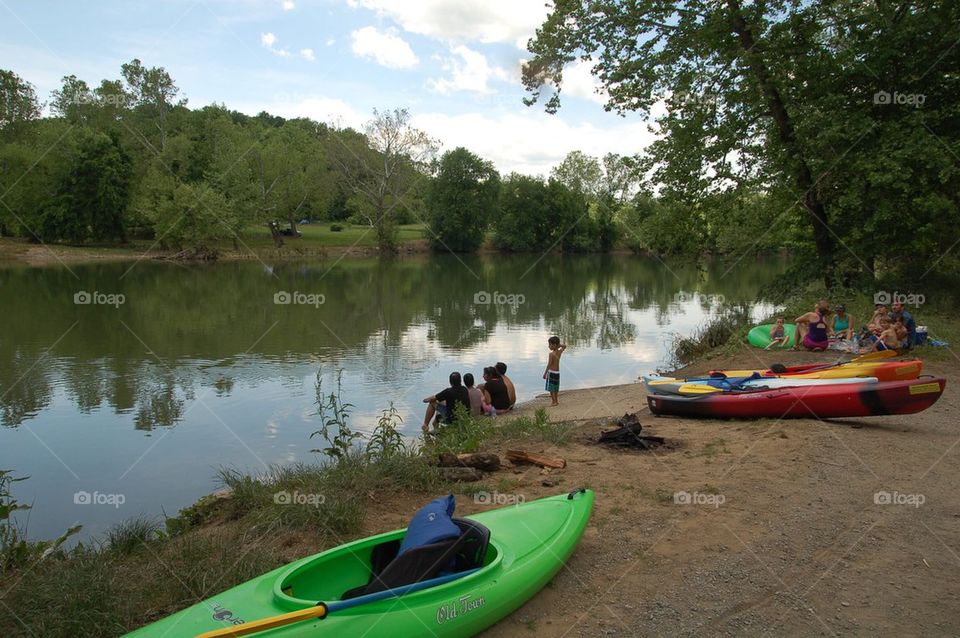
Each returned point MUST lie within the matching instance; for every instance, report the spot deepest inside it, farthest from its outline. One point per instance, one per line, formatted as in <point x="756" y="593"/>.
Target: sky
<point x="454" y="64"/>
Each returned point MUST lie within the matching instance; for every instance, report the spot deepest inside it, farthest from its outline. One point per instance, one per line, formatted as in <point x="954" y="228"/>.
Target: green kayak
<point x="527" y="544"/>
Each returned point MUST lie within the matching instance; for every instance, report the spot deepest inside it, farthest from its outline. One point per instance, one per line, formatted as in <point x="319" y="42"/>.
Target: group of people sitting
<point x="888" y="329"/>
<point x="495" y="395"/>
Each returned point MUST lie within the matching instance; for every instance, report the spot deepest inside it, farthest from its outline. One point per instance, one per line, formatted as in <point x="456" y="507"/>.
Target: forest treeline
<point x="128" y="159"/>
<point x="830" y="131"/>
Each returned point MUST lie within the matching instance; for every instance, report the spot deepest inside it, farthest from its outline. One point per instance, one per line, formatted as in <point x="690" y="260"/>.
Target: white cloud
<point x="578" y="82"/>
<point x="385" y="47"/>
<point x="469" y="71"/>
<point x="288" y="5"/>
<point x="269" y="40"/>
<point x="465" y="20"/>
<point x="532" y="142"/>
<point x="308" y="55"/>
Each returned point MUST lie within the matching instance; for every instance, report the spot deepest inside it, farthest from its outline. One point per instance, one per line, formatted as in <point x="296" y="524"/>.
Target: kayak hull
<point x="824" y="402"/>
<point x="529" y="543"/>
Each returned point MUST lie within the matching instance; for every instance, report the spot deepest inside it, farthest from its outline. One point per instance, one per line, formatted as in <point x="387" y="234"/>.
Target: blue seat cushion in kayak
<point x="431" y="524"/>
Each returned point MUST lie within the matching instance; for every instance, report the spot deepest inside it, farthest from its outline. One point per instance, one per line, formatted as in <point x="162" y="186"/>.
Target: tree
<point x="541" y="217"/>
<point x="72" y="100"/>
<point x="607" y="186"/>
<point x="461" y="200"/>
<point x="92" y="199"/>
<point x="153" y="90"/>
<point x="18" y="99"/>
<point x="383" y="177"/>
<point x="771" y="96"/>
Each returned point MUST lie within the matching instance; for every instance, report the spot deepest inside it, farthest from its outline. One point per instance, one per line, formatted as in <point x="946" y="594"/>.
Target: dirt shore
<point x="788" y="539"/>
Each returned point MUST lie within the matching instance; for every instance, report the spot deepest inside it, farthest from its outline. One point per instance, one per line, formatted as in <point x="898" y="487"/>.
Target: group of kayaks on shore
<point x="873" y="385"/>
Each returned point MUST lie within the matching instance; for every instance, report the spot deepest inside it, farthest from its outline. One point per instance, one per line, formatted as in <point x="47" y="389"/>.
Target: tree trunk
<point x="275" y="233"/>
<point x="817" y="212"/>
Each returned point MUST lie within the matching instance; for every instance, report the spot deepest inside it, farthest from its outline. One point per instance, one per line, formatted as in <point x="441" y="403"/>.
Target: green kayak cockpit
<point x="376" y="564"/>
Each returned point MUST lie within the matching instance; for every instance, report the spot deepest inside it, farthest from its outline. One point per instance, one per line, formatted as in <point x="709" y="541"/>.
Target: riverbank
<point x="317" y="241"/>
<point x="798" y="544"/>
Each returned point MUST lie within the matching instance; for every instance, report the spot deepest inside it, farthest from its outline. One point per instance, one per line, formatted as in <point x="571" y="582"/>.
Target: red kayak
<point x="822" y="401"/>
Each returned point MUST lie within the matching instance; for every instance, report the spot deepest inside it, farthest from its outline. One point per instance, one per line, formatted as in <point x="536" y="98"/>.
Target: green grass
<point x="319" y="235"/>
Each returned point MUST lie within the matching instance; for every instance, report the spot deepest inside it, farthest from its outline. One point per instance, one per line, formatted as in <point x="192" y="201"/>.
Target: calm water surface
<point x="199" y="367"/>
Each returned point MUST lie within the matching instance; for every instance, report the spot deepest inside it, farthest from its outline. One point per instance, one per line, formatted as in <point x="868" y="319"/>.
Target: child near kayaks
<point x="552" y="373"/>
<point x="778" y="336"/>
<point x="888" y="337"/>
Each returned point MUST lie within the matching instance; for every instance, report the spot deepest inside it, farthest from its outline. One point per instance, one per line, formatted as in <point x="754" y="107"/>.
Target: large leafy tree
<point x="461" y="200"/>
<point x="18" y="99"/>
<point x="92" y="199"/>
<point x="153" y="91"/>
<point x="383" y="175"/>
<point x="774" y="97"/>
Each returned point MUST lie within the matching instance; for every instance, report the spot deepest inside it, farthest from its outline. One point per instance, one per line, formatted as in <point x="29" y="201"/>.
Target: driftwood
<point x="520" y="456"/>
<point x="485" y="461"/>
<point x="461" y="474"/>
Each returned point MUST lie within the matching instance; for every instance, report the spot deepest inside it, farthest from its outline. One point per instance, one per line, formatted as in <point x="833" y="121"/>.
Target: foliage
<point x="810" y="104"/>
<point x="383" y="169"/>
<point x="538" y="216"/>
<point x="334" y="414"/>
<point x="15" y="550"/>
<point x="18" y="99"/>
<point x="461" y="201"/>
<point x="386" y="440"/>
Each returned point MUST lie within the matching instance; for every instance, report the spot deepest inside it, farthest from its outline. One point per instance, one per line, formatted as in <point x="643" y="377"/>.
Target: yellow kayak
<point x="883" y="370"/>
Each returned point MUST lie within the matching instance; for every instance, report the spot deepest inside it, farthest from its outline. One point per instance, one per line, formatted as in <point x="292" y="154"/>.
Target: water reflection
<point x="151" y="355"/>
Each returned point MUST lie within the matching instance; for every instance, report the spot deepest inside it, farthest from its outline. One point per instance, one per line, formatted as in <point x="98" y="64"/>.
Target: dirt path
<point x="798" y="545"/>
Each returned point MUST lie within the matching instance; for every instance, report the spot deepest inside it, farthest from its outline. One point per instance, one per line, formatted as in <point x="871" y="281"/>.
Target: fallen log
<point x="485" y="461"/>
<point x="520" y="456"/>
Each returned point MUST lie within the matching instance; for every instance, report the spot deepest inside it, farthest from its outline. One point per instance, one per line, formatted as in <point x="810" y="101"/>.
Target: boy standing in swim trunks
<point x="552" y="373"/>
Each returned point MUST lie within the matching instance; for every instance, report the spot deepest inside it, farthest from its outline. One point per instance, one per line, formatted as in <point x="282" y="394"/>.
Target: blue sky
<point x="453" y="63"/>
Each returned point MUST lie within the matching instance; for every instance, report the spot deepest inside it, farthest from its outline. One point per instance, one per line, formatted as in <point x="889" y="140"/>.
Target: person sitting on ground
<point x="872" y="327"/>
<point x="887" y="340"/>
<point x="778" y="336"/>
<point x="811" y="330"/>
<point x="843" y="326"/>
<point x="495" y="390"/>
<point x="476" y="396"/>
<point x="444" y="403"/>
<point x="908" y="322"/>
<point x="511" y="391"/>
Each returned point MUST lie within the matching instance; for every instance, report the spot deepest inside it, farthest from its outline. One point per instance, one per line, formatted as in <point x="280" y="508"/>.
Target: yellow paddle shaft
<point x="318" y="612"/>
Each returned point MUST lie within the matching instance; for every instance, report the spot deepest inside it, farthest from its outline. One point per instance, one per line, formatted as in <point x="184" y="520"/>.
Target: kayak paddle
<point x="321" y="609"/>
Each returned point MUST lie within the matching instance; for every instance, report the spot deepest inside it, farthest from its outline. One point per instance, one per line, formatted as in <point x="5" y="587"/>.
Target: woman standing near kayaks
<point x="811" y="328"/>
